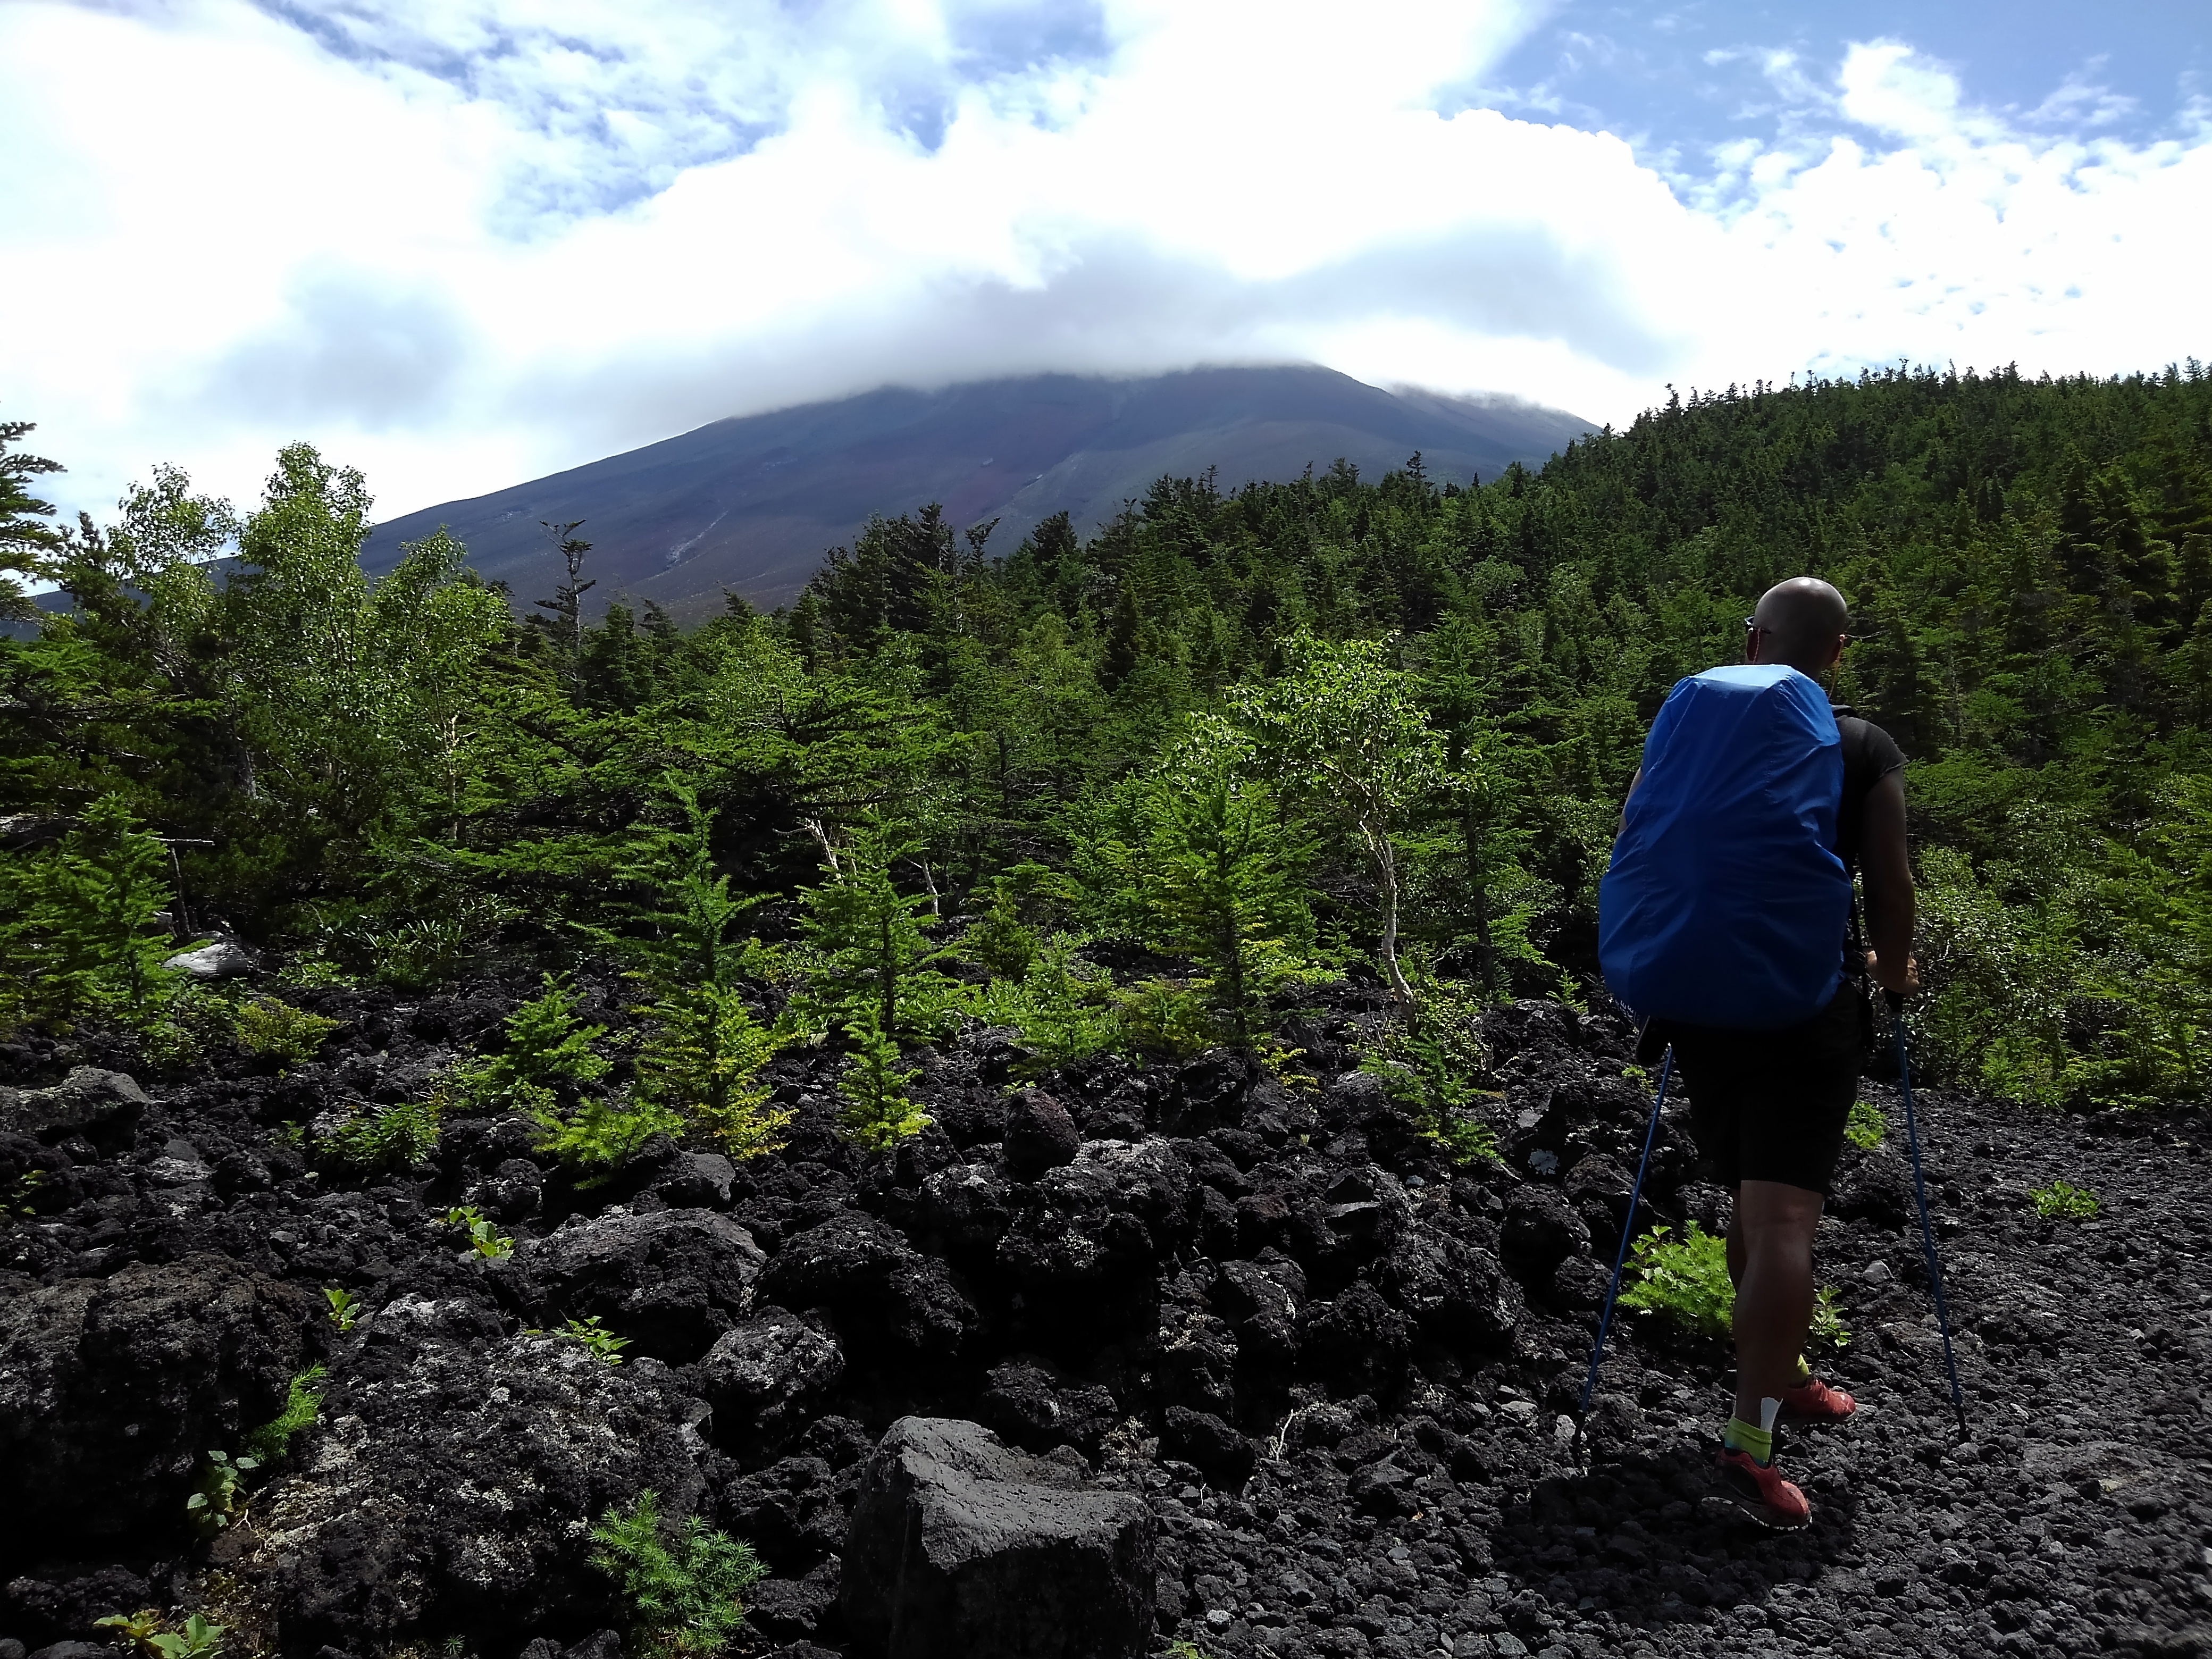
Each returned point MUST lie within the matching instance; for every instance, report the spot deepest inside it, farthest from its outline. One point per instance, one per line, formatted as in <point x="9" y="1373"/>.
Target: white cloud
<point x="460" y="244"/>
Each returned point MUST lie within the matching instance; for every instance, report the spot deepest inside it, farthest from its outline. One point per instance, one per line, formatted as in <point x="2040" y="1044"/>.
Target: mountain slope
<point x="751" y="504"/>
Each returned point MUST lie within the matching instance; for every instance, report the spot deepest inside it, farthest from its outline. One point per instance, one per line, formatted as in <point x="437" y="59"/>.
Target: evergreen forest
<point x="1141" y="789"/>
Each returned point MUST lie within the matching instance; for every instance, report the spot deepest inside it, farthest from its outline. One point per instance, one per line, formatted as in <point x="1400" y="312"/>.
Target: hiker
<point x="1726" y="920"/>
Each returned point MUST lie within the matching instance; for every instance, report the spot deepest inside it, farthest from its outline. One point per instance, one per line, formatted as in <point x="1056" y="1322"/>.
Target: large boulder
<point x="962" y="1549"/>
<point x="670" y="1280"/>
<point x="766" y="1378"/>
<point x="1358" y="1338"/>
<point x="1541" y="1230"/>
<point x="1037" y="1410"/>
<point x="1039" y="1135"/>
<point x="1452" y="1289"/>
<point x="451" y="1485"/>
<point x="87" y="1102"/>
<point x="877" y="1289"/>
<point x="111" y="1390"/>
<point x="1110" y="1215"/>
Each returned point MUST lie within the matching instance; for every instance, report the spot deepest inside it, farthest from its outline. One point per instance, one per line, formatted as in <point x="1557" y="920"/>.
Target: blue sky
<point x="462" y="242"/>
<point x="1680" y="79"/>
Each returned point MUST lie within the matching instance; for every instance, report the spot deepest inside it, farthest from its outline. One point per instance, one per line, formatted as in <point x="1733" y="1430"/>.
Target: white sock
<point x="1768" y="1411"/>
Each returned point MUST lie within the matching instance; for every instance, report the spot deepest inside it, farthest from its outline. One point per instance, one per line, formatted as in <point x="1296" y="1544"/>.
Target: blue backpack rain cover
<point x="1726" y="903"/>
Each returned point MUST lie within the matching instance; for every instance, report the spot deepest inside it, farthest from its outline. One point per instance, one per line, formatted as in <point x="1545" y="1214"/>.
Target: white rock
<point x="224" y="959"/>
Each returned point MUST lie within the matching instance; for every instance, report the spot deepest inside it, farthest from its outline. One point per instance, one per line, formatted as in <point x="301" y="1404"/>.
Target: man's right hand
<point x="1905" y="984"/>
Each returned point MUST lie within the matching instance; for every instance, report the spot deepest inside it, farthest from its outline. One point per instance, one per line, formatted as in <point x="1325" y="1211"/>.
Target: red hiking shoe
<point x="1759" y="1490"/>
<point x="1815" y="1401"/>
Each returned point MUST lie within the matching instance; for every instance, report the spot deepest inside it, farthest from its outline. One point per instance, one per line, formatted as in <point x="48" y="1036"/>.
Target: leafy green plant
<point x="1867" y="1126"/>
<point x="219" y="1499"/>
<point x="198" y="1639"/>
<point x="878" y="1112"/>
<point x="275" y="1031"/>
<point x="485" y="1239"/>
<point x="395" y="1137"/>
<point x="422" y="952"/>
<point x="548" y="1046"/>
<point x="1182" y="1648"/>
<point x="2065" y="1199"/>
<point x="21" y="1192"/>
<point x="139" y="1629"/>
<point x="1685" y="1278"/>
<point x="303" y="1402"/>
<point x="345" y="1308"/>
<point x="312" y="970"/>
<point x="685" y="1584"/>
<point x="1428" y="1061"/>
<point x="1828" y="1325"/>
<point x="602" y="1343"/>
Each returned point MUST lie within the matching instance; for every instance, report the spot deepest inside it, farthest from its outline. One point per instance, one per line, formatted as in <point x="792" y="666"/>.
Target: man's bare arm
<point x="1886" y="867"/>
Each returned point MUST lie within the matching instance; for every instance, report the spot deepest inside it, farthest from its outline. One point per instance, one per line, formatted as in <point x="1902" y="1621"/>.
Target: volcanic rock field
<point x="1337" y="1372"/>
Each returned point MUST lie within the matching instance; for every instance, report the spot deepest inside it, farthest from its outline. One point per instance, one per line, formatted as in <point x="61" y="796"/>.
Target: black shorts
<point x="1771" y="1105"/>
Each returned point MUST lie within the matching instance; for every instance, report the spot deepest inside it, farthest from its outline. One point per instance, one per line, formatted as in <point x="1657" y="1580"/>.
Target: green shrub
<point x="1868" y="1127"/>
<point x="547" y="1045"/>
<point x="599" y="1134"/>
<point x="1000" y="942"/>
<point x="303" y="1402"/>
<point x="1685" y="1278"/>
<point x="80" y="923"/>
<point x="389" y="1138"/>
<point x="2064" y="1198"/>
<point x="345" y="1308"/>
<point x="1427" y="1063"/>
<point x="313" y="971"/>
<point x="277" y="1031"/>
<point x="186" y="1021"/>
<point x="547" y="1056"/>
<point x="704" y="1059"/>
<point x="1063" y="1007"/>
<point x="1162" y="1016"/>
<point x="685" y="1587"/>
<point x="878" y="1112"/>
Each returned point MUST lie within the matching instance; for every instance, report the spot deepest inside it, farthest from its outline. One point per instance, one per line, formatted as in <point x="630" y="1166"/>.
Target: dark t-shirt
<point x="1870" y="755"/>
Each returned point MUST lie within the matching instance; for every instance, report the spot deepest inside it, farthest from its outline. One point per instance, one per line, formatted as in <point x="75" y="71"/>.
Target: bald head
<point x="1800" y="622"/>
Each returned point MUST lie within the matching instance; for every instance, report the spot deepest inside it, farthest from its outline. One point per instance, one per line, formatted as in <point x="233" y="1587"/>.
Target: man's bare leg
<point x="1770" y="1257"/>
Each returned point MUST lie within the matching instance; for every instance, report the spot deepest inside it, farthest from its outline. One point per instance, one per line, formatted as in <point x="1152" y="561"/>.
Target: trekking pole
<point x="1920" y="1191"/>
<point x="1627" y="1231"/>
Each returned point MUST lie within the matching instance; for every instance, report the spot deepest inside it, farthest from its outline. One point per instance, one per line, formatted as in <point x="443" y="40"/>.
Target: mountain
<point x="751" y="504"/>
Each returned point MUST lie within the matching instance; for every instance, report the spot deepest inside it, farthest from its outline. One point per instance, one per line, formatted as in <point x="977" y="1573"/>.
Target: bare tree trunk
<point x="1386" y="864"/>
<point x="821" y="839"/>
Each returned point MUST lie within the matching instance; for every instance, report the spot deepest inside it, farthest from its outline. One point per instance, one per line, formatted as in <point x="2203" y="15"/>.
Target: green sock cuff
<point x="1743" y="1436"/>
<point x="1804" y="1373"/>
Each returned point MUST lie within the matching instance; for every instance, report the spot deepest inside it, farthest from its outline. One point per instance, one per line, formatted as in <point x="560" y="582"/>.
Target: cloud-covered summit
<point x="464" y="242"/>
